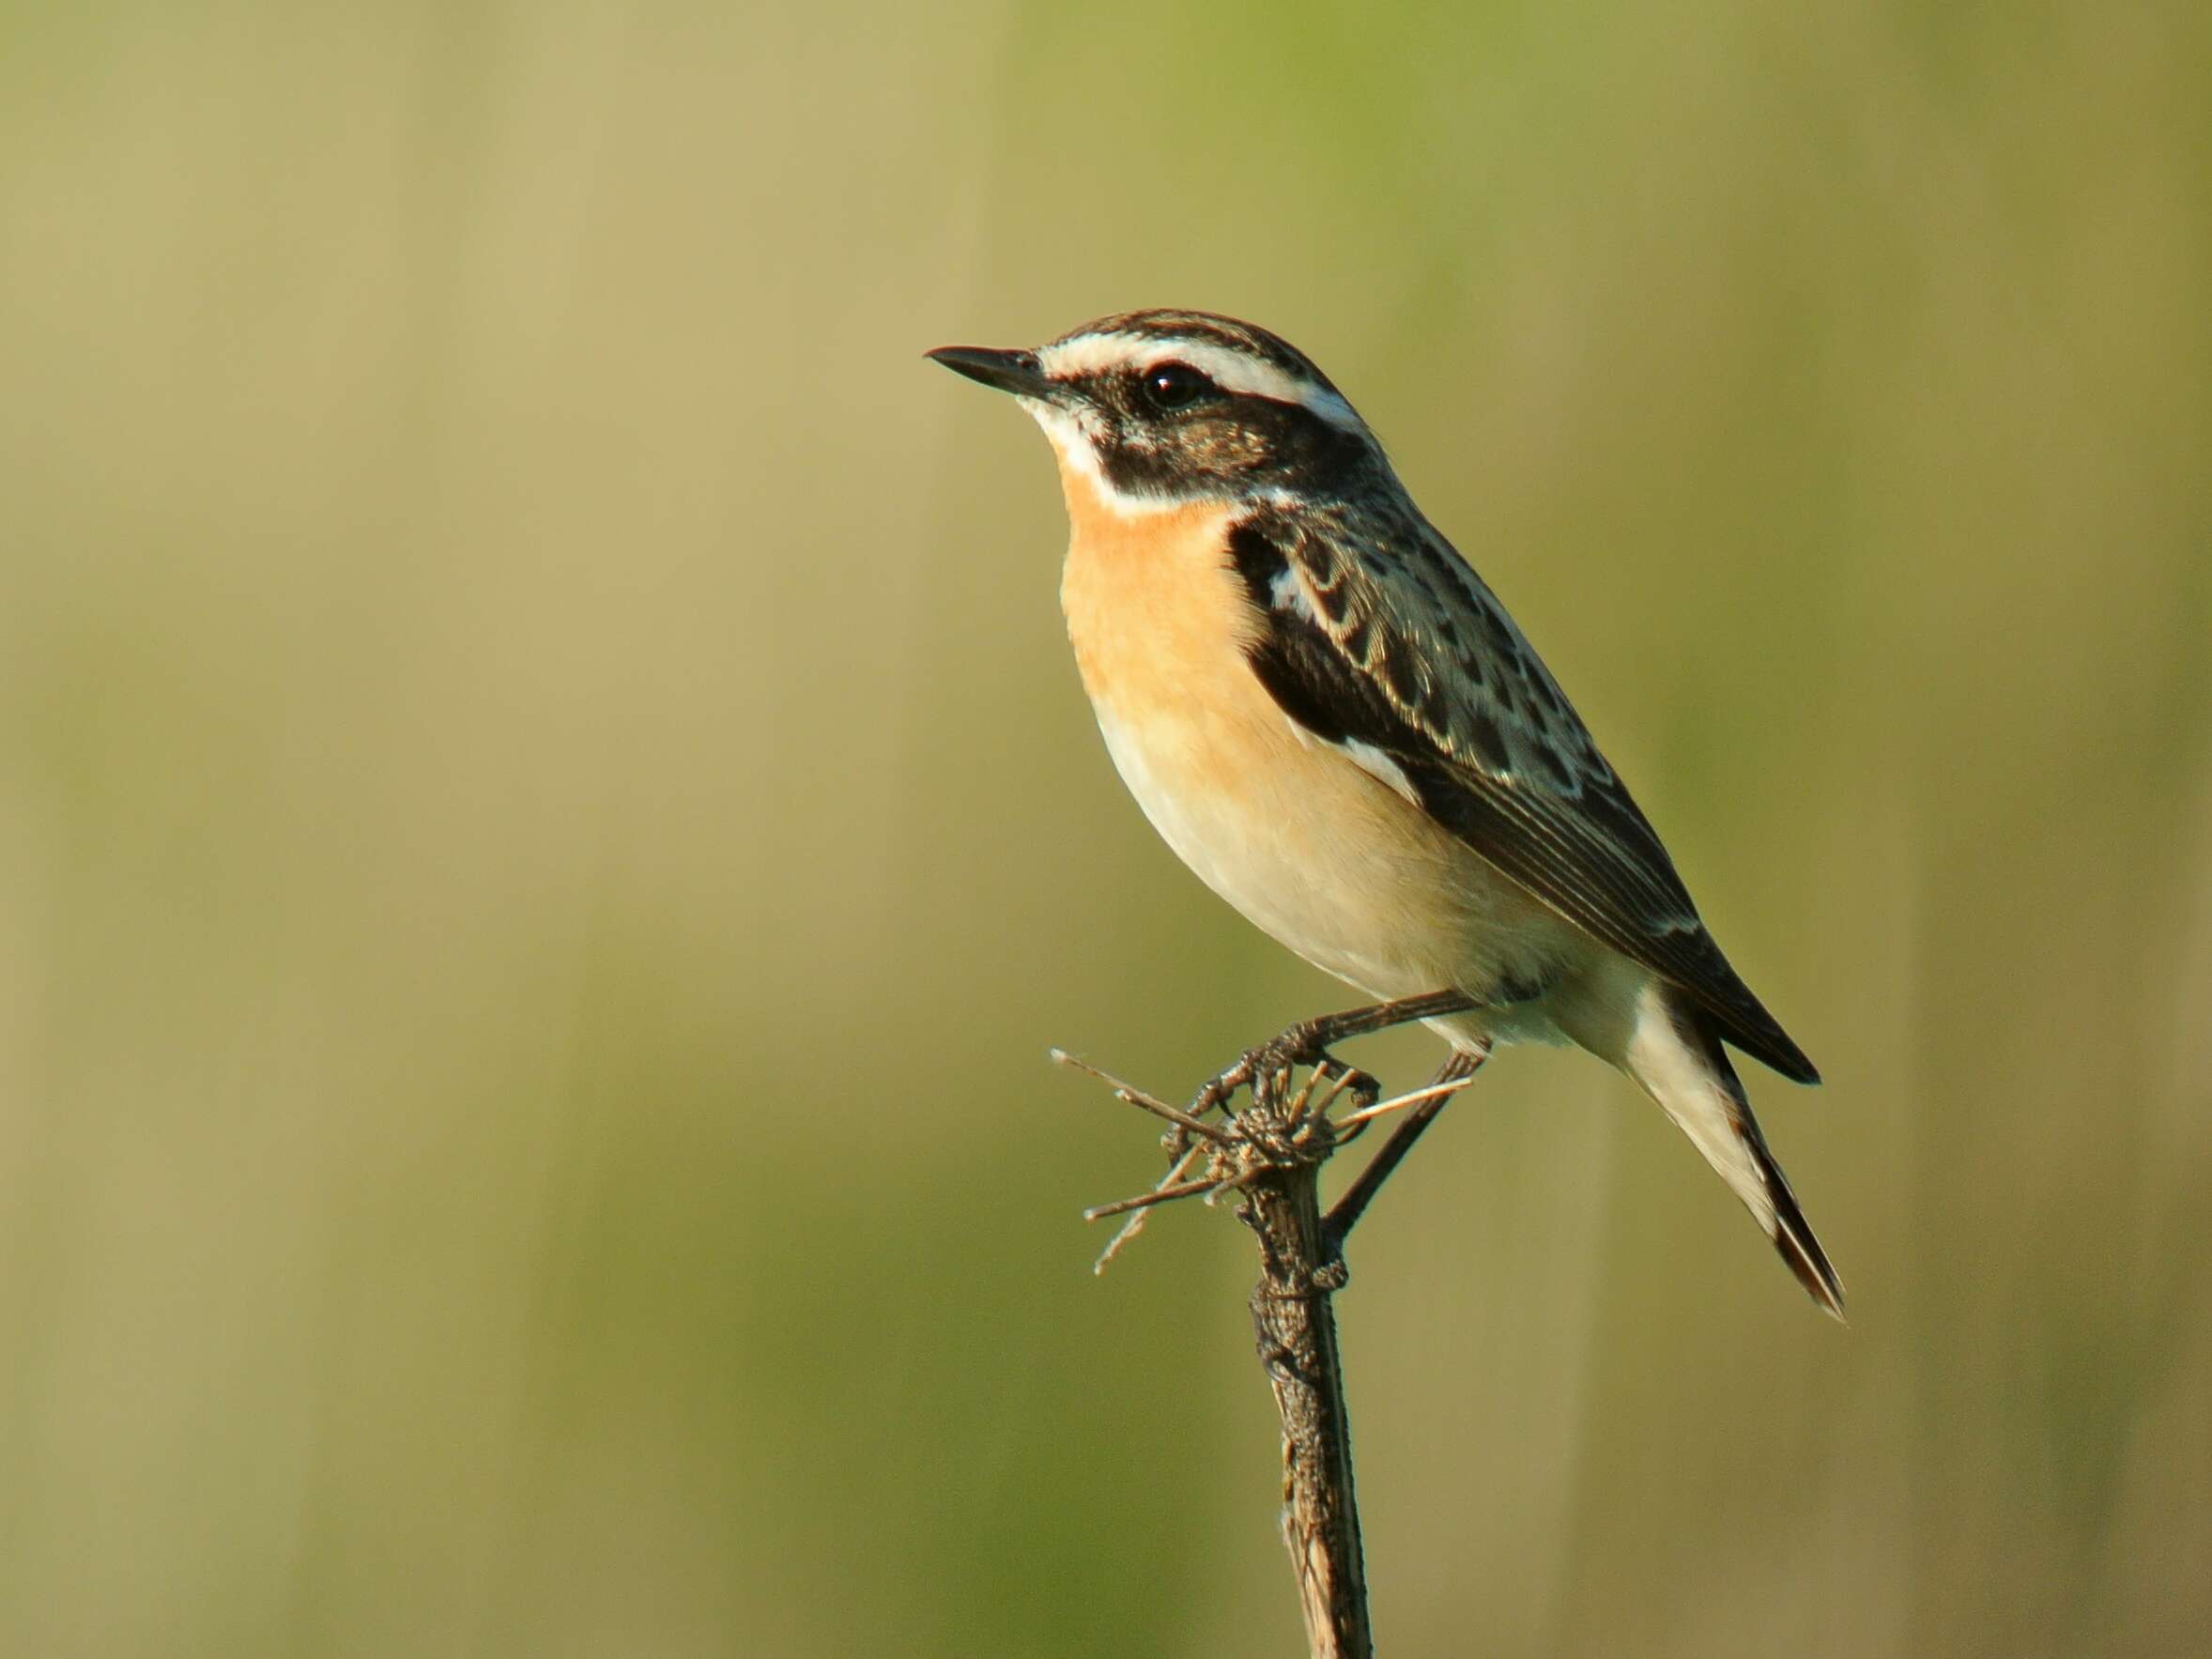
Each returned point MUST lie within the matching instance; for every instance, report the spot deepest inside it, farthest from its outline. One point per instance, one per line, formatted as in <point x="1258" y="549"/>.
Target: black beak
<point x="1017" y="372"/>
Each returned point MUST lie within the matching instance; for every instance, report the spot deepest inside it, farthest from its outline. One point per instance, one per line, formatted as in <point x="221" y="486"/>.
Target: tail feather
<point x="1681" y="1064"/>
<point x="1792" y="1233"/>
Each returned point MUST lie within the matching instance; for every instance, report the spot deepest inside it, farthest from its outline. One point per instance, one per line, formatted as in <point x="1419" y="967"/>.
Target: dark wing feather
<point x="1401" y="647"/>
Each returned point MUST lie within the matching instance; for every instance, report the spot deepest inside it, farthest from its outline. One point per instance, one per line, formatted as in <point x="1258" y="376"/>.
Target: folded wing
<point x="1403" y="651"/>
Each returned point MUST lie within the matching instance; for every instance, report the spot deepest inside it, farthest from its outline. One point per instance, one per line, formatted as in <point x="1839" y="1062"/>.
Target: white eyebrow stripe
<point x="1232" y="371"/>
<point x="1092" y="354"/>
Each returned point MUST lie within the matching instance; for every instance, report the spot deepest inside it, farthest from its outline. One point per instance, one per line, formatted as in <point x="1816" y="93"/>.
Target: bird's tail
<point x="1681" y="1064"/>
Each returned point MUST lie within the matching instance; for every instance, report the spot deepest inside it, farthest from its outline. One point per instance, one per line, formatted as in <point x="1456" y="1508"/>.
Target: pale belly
<point x="1321" y="855"/>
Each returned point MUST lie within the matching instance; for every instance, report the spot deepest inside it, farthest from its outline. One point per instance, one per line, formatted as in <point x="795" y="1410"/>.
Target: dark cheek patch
<point x="1240" y="444"/>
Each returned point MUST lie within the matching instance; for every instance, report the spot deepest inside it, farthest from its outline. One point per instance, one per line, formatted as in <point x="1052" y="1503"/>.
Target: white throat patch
<point x="1069" y="430"/>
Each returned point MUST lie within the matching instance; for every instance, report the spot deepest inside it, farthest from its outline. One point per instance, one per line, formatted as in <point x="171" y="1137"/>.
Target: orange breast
<point x="1306" y="843"/>
<point x="1152" y="608"/>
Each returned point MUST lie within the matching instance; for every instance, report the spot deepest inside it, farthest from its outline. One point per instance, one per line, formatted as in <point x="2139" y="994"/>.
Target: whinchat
<point x="1331" y="720"/>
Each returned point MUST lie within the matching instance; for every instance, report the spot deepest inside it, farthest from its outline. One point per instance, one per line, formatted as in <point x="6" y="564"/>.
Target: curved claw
<point x="1365" y="1089"/>
<point x="1217" y="1090"/>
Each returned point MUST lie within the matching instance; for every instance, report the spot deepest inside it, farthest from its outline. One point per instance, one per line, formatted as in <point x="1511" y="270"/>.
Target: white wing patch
<point x="1364" y="755"/>
<point x="1373" y="761"/>
<point x="1288" y="593"/>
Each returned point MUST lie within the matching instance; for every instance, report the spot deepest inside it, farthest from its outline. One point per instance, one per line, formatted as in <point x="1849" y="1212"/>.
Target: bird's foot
<point x="1285" y="1126"/>
<point x="1266" y="1072"/>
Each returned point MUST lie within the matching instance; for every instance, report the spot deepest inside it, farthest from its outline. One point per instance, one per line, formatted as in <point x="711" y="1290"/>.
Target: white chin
<point x="1074" y="441"/>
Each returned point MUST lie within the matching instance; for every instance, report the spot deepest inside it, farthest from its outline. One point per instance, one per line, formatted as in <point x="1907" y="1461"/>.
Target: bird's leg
<point x="1347" y="1211"/>
<point x="1308" y="1043"/>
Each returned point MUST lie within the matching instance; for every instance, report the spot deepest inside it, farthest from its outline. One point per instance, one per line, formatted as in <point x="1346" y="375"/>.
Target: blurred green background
<point x="546" y="825"/>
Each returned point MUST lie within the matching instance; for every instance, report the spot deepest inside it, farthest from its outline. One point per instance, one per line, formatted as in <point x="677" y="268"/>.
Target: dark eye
<point x="1169" y="387"/>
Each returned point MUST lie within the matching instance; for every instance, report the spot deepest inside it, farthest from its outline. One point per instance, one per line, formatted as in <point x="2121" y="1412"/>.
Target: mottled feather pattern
<point x="1402" y="648"/>
<point x="1335" y="723"/>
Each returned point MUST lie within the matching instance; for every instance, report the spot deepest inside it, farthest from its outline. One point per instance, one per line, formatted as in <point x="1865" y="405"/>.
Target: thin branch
<point x="1296" y="1327"/>
<point x="1098" y="1212"/>
<point x="1271" y="1154"/>
<point x="1135" y="1224"/>
<point x="1355" y="1121"/>
<point x="1137" y="1096"/>
<point x="1353" y="1205"/>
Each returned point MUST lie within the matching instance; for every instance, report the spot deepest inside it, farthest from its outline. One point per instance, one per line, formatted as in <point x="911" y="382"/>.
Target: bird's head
<point x="1161" y="408"/>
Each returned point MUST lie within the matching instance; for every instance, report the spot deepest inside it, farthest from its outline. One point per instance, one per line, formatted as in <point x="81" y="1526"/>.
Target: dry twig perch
<point x="1270" y="1154"/>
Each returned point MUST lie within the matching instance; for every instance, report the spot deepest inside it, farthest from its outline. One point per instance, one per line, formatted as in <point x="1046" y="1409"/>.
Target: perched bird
<point x="1331" y="720"/>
